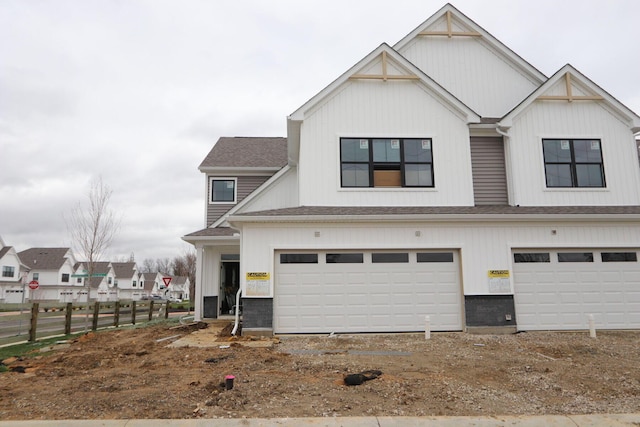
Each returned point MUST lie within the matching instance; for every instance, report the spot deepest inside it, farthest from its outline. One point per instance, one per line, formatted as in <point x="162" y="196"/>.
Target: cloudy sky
<point x="138" y="91"/>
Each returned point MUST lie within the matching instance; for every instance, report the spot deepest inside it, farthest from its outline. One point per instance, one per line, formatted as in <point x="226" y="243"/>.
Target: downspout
<point x="507" y="138"/>
<point x="237" y="313"/>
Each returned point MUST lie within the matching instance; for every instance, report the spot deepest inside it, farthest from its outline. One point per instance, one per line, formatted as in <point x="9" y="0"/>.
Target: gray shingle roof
<point x="43" y="258"/>
<point x="247" y="152"/>
<point x="214" y="232"/>
<point x="123" y="269"/>
<point x="4" y="250"/>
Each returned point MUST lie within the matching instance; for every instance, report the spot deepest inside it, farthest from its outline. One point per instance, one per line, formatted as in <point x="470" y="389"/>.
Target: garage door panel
<point x="367" y="297"/>
<point x="560" y="295"/>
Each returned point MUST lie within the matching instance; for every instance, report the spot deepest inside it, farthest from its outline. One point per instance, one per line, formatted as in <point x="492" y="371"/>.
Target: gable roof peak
<point x="574" y="80"/>
<point x="449" y="22"/>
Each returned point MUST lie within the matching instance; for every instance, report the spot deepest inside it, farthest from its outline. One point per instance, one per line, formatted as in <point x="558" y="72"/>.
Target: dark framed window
<point x="65" y="277"/>
<point x="298" y="258"/>
<point x="435" y="256"/>
<point x="223" y="190"/>
<point x="389" y="257"/>
<point x="572" y="163"/>
<point x="619" y="257"/>
<point x="345" y="258"/>
<point x="386" y="162"/>
<point x="575" y="256"/>
<point x="529" y="257"/>
<point x="8" y="271"/>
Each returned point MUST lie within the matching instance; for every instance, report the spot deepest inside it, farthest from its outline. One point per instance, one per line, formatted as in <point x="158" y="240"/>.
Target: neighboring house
<point x="127" y="280"/>
<point x="103" y="282"/>
<point x="12" y="285"/>
<point x="52" y="268"/>
<point x="153" y="284"/>
<point x="179" y="288"/>
<point x="444" y="177"/>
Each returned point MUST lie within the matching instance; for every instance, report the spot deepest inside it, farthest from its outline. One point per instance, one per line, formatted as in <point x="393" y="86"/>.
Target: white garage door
<point x="366" y="291"/>
<point x="13" y="296"/>
<point x="558" y="289"/>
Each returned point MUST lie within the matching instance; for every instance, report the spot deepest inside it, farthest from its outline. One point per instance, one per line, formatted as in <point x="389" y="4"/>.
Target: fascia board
<point x="255" y="193"/>
<point x="217" y="239"/>
<point x="490" y="41"/>
<point x="239" y="171"/>
<point x="444" y="218"/>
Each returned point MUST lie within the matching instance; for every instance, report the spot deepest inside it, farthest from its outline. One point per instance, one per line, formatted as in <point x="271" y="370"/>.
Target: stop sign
<point x="33" y="285"/>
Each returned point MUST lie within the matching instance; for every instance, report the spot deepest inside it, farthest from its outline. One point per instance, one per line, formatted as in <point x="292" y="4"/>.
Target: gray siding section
<point x="489" y="175"/>
<point x="246" y="185"/>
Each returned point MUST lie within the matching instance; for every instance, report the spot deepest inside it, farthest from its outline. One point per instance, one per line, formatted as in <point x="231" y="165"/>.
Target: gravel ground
<point x="133" y="373"/>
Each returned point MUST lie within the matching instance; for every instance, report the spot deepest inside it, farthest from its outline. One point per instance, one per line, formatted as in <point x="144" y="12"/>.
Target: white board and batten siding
<point x="472" y="72"/>
<point x="366" y="296"/>
<point x="558" y="120"/>
<point x="555" y="295"/>
<point x="377" y="109"/>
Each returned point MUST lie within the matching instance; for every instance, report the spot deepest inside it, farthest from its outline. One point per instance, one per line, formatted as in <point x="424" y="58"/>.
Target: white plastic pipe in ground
<point x="237" y="313"/>
<point x="427" y="327"/>
<point x="592" y="326"/>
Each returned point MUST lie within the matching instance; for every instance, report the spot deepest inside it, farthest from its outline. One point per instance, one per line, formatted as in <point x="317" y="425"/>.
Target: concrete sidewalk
<point x="597" y="420"/>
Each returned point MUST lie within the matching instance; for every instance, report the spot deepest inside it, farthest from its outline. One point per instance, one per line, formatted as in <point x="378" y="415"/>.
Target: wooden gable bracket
<point x="384" y="76"/>
<point x="450" y="33"/>
<point x="570" y="97"/>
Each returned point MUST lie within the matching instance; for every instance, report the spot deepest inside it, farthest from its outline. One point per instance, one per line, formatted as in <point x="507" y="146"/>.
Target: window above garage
<point x="573" y="163"/>
<point x="386" y="162"/>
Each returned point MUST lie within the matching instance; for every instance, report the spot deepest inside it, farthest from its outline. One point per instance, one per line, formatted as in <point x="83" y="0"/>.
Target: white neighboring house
<point x="127" y="280"/>
<point x="12" y="285"/>
<point x="154" y="285"/>
<point x="52" y="268"/>
<point x="444" y="177"/>
<point x="103" y="283"/>
<point x="179" y="288"/>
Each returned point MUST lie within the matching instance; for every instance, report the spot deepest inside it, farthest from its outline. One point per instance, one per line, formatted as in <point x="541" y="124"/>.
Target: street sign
<point x="33" y="285"/>
<point x="167" y="281"/>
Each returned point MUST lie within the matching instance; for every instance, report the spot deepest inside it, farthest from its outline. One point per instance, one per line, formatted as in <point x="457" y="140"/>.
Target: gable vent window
<point x="570" y="163"/>
<point x="223" y="190"/>
<point x="386" y="162"/>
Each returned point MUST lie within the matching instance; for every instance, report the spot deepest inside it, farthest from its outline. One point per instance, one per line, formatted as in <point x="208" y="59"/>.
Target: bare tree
<point x="148" y="266"/>
<point x="163" y="265"/>
<point x="93" y="226"/>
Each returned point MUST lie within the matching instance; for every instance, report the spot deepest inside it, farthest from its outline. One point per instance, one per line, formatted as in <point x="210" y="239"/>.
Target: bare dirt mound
<point x="132" y="373"/>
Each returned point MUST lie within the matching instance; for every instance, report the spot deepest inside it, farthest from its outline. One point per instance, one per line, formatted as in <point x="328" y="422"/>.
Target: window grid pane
<point x="223" y="190"/>
<point x="361" y="159"/>
<point x="573" y="163"/>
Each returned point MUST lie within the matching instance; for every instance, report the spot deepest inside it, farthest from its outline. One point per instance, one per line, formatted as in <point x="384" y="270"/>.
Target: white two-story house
<point x="12" y="279"/>
<point x="443" y="176"/>
<point x="52" y="269"/>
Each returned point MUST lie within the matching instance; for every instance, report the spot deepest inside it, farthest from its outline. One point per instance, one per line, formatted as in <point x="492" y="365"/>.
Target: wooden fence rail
<point x="20" y="322"/>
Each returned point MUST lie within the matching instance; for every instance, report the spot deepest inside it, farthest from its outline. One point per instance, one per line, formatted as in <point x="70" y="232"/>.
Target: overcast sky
<point x="138" y="91"/>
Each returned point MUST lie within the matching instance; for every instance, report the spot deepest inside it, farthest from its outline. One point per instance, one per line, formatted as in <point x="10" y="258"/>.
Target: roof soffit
<point x="450" y="22"/>
<point x="570" y="85"/>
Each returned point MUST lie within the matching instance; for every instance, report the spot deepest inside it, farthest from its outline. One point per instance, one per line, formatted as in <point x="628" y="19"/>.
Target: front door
<point x="229" y="285"/>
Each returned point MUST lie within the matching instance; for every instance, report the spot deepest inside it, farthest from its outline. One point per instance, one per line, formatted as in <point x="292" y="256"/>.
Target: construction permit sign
<point x="258" y="284"/>
<point x="499" y="281"/>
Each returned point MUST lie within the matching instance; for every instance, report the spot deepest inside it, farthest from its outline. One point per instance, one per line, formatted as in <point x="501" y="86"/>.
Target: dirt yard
<point x="133" y="373"/>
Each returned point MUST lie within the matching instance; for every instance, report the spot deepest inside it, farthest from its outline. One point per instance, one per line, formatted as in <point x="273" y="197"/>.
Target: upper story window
<point x="8" y="271"/>
<point x="223" y="190"/>
<point x="65" y="277"/>
<point x="386" y="162"/>
<point x="573" y="163"/>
